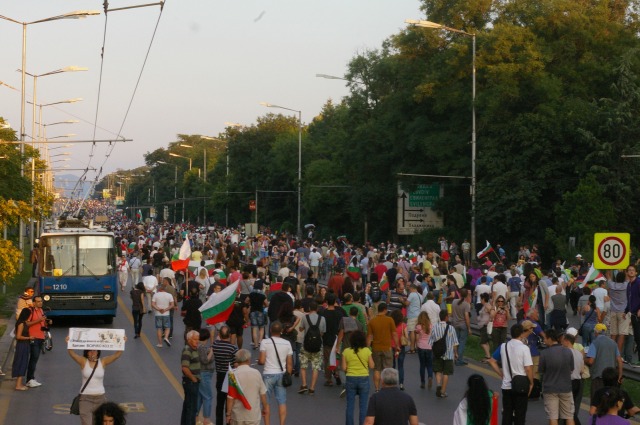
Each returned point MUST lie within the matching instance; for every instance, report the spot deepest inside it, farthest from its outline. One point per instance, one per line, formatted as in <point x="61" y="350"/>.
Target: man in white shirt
<point x="150" y="283"/>
<point x="276" y="355"/>
<point x="516" y="361"/>
<point x="431" y="308"/>
<point x="134" y="269"/>
<point x="314" y="261"/>
<point x="499" y="288"/>
<point x="162" y="303"/>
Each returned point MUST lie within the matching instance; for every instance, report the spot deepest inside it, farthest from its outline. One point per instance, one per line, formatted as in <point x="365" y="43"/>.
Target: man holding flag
<point x="246" y="390"/>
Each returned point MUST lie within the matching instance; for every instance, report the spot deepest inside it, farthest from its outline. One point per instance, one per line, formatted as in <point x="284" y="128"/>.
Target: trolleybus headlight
<point x="47" y="298"/>
<point x="107" y="297"/>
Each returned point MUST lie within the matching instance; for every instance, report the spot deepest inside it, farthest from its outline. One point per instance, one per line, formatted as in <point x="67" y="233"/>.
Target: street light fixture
<point x="182" y="156"/>
<point x="60" y="154"/>
<point x="63" y="136"/>
<point x="434" y="25"/>
<point x="270" y="105"/>
<point x="333" y="77"/>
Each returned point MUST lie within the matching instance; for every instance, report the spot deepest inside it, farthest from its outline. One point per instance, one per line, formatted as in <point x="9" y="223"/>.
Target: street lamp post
<point x="433" y="25"/>
<point x="269" y="105"/>
<point x="71" y="15"/>
<point x="175" y="188"/>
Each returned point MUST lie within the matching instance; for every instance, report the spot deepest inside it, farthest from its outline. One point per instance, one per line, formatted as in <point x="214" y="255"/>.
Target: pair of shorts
<point x="484" y="336"/>
<point x="273" y="382"/>
<point x="235" y="330"/>
<point x="382" y="360"/>
<point x="257" y="319"/>
<point x="443" y="366"/>
<point x="620" y="323"/>
<point x="163" y="322"/>
<point x="313" y="359"/>
<point x="558" y="405"/>
<point x="411" y="324"/>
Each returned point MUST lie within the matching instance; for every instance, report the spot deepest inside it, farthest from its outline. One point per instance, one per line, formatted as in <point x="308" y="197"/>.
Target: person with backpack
<point x="444" y="346"/>
<point x="332" y="317"/>
<point x="313" y="326"/>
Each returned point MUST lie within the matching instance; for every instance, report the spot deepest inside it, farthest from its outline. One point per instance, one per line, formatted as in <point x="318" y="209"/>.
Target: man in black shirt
<point x="332" y="317"/>
<point x="390" y="406"/>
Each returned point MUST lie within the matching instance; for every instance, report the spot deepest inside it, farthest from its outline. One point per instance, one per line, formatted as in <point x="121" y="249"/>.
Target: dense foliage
<point x="557" y="106"/>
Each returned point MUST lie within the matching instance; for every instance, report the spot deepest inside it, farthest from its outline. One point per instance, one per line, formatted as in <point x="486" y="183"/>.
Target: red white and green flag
<point x="219" y="306"/>
<point x="184" y="255"/>
<point x="194" y="267"/>
<point x="333" y="358"/>
<point x="487" y="249"/>
<point x="593" y="275"/>
<point x="384" y="283"/>
<point x="222" y="275"/>
<point x="232" y="387"/>
<point x="353" y="272"/>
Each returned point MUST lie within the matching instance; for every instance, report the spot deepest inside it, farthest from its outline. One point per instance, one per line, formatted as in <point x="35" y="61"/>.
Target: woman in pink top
<point x="425" y="355"/>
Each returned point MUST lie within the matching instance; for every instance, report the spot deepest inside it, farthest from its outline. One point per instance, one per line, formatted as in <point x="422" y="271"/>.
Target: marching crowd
<point x="329" y="312"/>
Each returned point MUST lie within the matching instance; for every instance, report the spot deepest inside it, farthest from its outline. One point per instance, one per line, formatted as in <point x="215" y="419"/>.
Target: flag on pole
<point x="139" y="215"/>
<point x="184" y="255"/>
<point x="384" y="283"/>
<point x="219" y="306"/>
<point x="353" y="272"/>
<point x="222" y="276"/>
<point x="487" y="249"/>
<point x="232" y="387"/>
<point x="333" y="358"/>
<point x="592" y="275"/>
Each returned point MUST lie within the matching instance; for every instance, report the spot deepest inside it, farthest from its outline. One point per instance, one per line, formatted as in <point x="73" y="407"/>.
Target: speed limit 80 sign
<point x="611" y="250"/>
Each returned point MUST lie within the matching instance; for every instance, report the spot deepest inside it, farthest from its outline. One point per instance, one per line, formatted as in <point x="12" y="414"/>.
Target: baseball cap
<point x="571" y="331"/>
<point x="600" y="327"/>
<point x="527" y="324"/>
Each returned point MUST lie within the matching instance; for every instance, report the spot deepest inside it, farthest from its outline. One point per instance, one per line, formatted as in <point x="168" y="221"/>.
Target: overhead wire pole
<point x="434" y="25"/>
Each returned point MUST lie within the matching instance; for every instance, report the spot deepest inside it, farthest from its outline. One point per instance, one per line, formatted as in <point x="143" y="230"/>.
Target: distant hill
<point x="67" y="182"/>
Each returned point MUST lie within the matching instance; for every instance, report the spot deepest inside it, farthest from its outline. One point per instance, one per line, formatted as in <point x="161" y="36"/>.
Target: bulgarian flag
<point x="195" y="265"/>
<point x="487" y="249"/>
<point x="353" y="272"/>
<point x="222" y="275"/>
<point x="219" y="306"/>
<point x="232" y="387"/>
<point x="184" y="256"/>
<point x="333" y="358"/>
<point x="139" y="215"/>
<point x="384" y="283"/>
<point x="592" y="275"/>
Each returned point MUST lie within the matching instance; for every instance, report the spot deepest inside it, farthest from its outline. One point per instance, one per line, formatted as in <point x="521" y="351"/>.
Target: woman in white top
<point x="94" y="394"/>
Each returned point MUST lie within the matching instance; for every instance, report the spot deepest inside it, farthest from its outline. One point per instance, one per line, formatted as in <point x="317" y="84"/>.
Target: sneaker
<point x="159" y="345"/>
<point x="422" y="385"/>
<point x="303" y="390"/>
<point x="343" y="393"/>
<point x="438" y="391"/>
<point x="33" y="383"/>
<point x="166" y="341"/>
<point x="338" y="380"/>
<point x="443" y="395"/>
<point x="2" y="373"/>
<point x="312" y="392"/>
<point x="401" y="387"/>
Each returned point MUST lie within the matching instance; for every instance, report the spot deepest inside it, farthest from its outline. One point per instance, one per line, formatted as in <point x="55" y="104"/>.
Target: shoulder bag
<point x="519" y="383"/>
<point x="585" y="321"/>
<point x="286" y="376"/>
<point x="75" y="404"/>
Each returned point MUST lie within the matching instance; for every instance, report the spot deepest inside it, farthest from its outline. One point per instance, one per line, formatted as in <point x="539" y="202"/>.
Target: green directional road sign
<point x="415" y="211"/>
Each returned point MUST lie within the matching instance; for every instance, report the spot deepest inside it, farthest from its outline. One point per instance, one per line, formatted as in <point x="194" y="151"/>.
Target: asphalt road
<point x="146" y="381"/>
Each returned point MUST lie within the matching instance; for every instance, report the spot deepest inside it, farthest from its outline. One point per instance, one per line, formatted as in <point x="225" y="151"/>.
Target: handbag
<point x="403" y="339"/>
<point x="75" y="404"/>
<point x="286" y="376"/>
<point x="489" y="328"/>
<point x="519" y="383"/>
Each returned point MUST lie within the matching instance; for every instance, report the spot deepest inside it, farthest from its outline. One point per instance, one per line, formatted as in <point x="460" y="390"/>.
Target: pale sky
<point x="212" y="61"/>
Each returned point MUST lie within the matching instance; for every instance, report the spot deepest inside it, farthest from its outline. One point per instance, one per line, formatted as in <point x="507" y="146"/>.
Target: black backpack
<point x="376" y="294"/>
<point x="312" y="337"/>
<point x="439" y="348"/>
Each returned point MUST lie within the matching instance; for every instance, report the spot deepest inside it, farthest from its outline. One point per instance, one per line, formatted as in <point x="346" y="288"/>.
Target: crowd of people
<point x="329" y="309"/>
